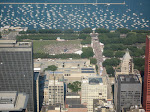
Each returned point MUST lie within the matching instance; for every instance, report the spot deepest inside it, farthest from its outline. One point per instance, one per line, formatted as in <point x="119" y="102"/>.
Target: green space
<point x="115" y="47"/>
<point x="47" y="46"/>
<point x="75" y="86"/>
<point x="39" y="36"/>
<point x="44" y="43"/>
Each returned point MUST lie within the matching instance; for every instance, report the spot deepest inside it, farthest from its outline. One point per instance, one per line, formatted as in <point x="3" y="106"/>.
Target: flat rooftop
<point x="128" y="78"/>
<point x="14" y="43"/>
<point x="13" y="101"/>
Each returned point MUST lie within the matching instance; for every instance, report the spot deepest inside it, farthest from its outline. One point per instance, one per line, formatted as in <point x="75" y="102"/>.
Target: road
<point x="99" y="56"/>
<point x="97" y="51"/>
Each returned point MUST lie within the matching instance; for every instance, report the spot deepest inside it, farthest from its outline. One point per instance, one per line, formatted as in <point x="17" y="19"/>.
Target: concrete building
<point x="54" y="89"/>
<point x="72" y="70"/>
<point x="73" y="103"/>
<point x="37" y="91"/>
<point x="134" y="109"/>
<point x="146" y="90"/>
<point x="102" y="105"/>
<point x="16" y="68"/>
<point x="93" y="88"/>
<point x="126" y="66"/>
<point x="13" y="101"/>
<point x="127" y="92"/>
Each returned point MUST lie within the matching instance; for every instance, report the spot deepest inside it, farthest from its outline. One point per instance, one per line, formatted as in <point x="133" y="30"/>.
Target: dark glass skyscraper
<point x="16" y="68"/>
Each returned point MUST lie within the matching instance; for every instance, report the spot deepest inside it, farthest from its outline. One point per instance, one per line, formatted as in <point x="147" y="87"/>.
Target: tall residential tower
<point x="16" y="68"/>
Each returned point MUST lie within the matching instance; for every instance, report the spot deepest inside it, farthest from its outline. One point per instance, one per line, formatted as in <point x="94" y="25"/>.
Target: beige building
<point x="126" y="66"/>
<point x="54" y="89"/>
<point x="72" y="70"/>
<point x="93" y="88"/>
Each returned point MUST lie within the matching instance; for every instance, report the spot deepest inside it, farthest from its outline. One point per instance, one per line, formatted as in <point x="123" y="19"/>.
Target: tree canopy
<point x="75" y="86"/>
<point x="86" y="30"/>
<point x="87" y="52"/>
<point x="123" y="30"/>
<point x="102" y="30"/>
<point x="51" y="68"/>
<point x="93" y="61"/>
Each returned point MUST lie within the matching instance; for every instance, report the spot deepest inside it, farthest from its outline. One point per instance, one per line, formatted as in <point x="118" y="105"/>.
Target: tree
<point x="139" y="63"/>
<point x="86" y="30"/>
<point x="75" y="86"/>
<point x="123" y="30"/>
<point x="31" y="31"/>
<point x="93" y="61"/>
<point x="87" y="52"/>
<point x="86" y="41"/>
<point x="52" y="68"/>
<point x="119" y="54"/>
<point x="102" y="30"/>
<point x="111" y="62"/>
<point x="108" y="53"/>
<point x="82" y="36"/>
<point x="110" y="70"/>
<point x="69" y="31"/>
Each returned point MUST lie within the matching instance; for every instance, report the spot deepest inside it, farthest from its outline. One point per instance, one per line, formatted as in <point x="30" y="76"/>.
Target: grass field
<point x="55" y="47"/>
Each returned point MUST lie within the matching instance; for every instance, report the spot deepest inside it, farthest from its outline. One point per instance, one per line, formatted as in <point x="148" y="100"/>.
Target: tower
<point x="146" y="90"/>
<point x="16" y="68"/>
<point x="127" y="64"/>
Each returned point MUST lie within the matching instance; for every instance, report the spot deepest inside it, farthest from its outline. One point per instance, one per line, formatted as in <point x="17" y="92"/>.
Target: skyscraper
<point x="146" y="92"/>
<point x="16" y="68"/>
<point x="127" y="92"/>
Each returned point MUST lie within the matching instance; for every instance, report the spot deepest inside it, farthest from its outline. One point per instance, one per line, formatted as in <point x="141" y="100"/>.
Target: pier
<point x="72" y="3"/>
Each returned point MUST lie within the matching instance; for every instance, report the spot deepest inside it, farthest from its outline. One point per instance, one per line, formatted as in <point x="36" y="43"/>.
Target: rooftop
<point x="95" y="80"/>
<point x="128" y="78"/>
<point x="77" y="106"/>
<point x="127" y="55"/>
<point x="13" y="101"/>
<point x="14" y="43"/>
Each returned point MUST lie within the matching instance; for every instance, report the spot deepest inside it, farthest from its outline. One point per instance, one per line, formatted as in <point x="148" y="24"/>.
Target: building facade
<point x="127" y="92"/>
<point x="16" y="68"/>
<point x="146" y="90"/>
<point x="92" y="88"/>
<point x="72" y="70"/>
<point x="126" y="66"/>
<point x="54" y="89"/>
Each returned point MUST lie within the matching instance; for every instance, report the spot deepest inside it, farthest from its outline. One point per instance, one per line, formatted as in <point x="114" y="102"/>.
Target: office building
<point x="73" y="103"/>
<point x="146" y="90"/>
<point x="16" y="68"/>
<point x="72" y="70"/>
<point x="127" y="92"/>
<point x="13" y="101"/>
<point x="126" y="66"/>
<point x="54" y="89"/>
<point x="93" y="88"/>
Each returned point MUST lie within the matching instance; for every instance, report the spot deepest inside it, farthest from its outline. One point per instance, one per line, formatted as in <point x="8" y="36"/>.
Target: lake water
<point x="133" y="15"/>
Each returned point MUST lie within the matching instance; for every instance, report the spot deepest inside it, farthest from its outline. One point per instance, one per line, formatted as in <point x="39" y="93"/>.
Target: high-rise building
<point x="93" y="88"/>
<point x="127" y="92"/>
<point x="16" y="68"/>
<point x="126" y="66"/>
<point x="146" y="90"/>
<point x="54" y="89"/>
